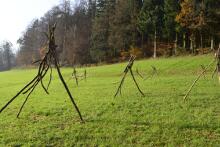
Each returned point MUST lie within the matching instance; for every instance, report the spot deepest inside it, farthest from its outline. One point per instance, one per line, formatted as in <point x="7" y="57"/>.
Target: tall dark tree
<point x="123" y="25"/>
<point x="78" y="35"/>
<point x="212" y="18"/>
<point x="100" y="32"/>
<point x="152" y="18"/>
<point x="171" y="9"/>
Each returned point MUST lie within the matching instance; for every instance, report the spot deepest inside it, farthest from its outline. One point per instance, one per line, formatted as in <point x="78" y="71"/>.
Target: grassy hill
<point x="160" y="118"/>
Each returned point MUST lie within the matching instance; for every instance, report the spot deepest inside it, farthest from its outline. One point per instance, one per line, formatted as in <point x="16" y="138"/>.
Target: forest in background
<point x="108" y="31"/>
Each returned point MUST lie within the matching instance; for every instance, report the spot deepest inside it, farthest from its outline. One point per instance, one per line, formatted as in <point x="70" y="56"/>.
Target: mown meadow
<point x="161" y="118"/>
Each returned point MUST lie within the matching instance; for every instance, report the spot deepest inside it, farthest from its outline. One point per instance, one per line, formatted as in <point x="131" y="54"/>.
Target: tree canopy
<point x="92" y="31"/>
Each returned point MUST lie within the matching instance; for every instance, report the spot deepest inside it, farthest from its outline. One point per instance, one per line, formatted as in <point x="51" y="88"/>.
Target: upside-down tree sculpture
<point x="128" y="68"/>
<point x="45" y="65"/>
<point x="216" y="60"/>
<point x="78" y="78"/>
<point x="75" y="76"/>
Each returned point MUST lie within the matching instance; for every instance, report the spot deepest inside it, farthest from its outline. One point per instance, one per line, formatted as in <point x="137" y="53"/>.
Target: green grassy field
<point x="158" y="119"/>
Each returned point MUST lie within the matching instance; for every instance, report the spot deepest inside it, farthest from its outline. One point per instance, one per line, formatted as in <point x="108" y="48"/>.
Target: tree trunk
<point x="201" y="40"/>
<point x="142" y="44"/>
<point x="192" y="45"/>
<point x="155" y="44"/>
<point x="184" y="40"/>
<point x="212" y="43"/>
<point x="218" y="62"/>
<point x="175" y="44"/>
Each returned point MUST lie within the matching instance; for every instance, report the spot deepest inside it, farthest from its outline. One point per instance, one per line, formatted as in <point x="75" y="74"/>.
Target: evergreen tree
<point x="100" y="49"/>
<point x="212" y="18"/>
<point x="171" y="9"/>
<point x="152" y="18"/>
<point x="123" y="25"/>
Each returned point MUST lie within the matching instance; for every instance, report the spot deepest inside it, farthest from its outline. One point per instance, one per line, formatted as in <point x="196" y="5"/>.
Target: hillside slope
<point x="160" y="118"/>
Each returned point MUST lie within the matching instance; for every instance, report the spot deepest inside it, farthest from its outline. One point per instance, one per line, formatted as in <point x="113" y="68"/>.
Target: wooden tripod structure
<point x="128" y="68"/>
<point x="217" y="69"/>
<point x="77" y="77"/>
<point x="45" y="64"/>
<point x="153" y="73"/>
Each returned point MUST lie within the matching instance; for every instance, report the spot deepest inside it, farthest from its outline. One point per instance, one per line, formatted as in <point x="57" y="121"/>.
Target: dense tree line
<point x="91" y="31"/>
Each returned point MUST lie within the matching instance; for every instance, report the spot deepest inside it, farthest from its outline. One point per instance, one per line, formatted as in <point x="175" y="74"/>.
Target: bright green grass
<point x="161" y="118"/>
